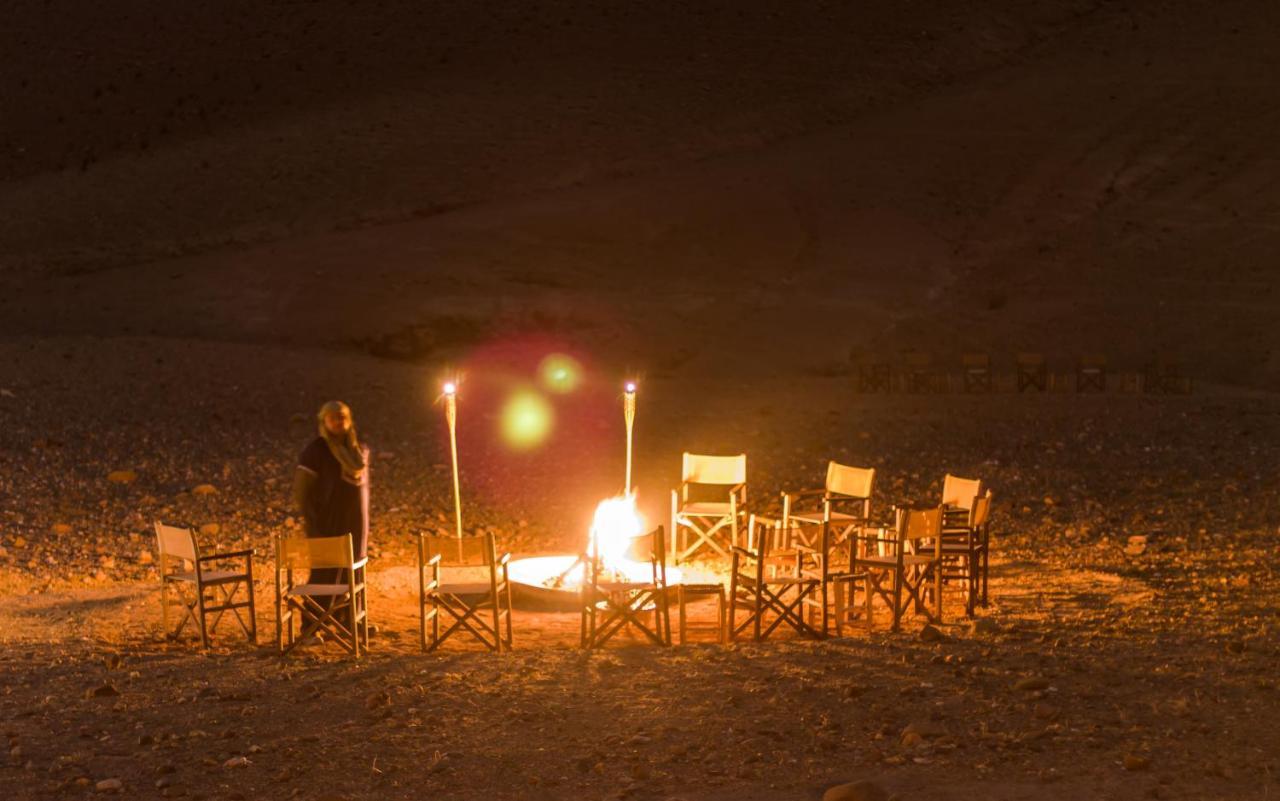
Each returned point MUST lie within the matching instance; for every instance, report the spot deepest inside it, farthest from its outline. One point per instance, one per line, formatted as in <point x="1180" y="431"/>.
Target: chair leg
<point x="253" y="605"/>
<point x="204" y="629"/>
<point x="164" y="603"/>
<point x="898" y="578"/>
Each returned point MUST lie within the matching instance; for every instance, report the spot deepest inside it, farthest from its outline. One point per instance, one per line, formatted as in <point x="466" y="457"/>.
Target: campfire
<point x="614" y="528"/>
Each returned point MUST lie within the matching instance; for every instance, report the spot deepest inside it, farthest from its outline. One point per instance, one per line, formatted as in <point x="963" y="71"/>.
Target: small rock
<point x="1136" y="546"/>
<point x="104" y="691"/>
<point x="145" y="557"/>
<point x="1135" y="762"/>
<point x="62" y="528"/>
<point x="122" y="476"/>
<point x="236" y="762"/>
<point x="856" y="791"/>
<point x="1031" y="683"/>
<point x="984" y="627"/>
<point x="210" y="530"/>
<point x="204" y="489"/>
<point x="109" y="786"/>
<point x="931" y="633"/>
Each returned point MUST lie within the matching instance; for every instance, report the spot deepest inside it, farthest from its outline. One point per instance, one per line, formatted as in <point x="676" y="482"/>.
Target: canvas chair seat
<point x="318" y="590"/>
<point x="890" y="561"/>
<point x="818" y="517"/>
<point x="706" y="509"/>
<point x="471" y="588"/>
<point x="208" y="576"/>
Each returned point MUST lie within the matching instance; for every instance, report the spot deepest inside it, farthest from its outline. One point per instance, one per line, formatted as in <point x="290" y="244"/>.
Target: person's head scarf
<point x="344" y="446"/>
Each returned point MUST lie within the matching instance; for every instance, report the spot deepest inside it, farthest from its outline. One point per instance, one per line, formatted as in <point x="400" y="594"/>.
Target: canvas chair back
<point x="960" y="492"/>
<point x="727" y="470"/>
<point x="855" y="482"/>
<point x="295" y="553"/>
<point x="919" y="524"/>
<point x="477" y="551"/>
<point x="981" y="509"/>
<point x="177" y="543"/>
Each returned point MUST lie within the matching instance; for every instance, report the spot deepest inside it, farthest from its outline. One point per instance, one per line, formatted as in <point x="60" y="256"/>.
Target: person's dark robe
<point x="332" y="506"/>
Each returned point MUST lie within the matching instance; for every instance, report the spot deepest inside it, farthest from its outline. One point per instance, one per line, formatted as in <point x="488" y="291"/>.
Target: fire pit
<point x="552" y="583"/>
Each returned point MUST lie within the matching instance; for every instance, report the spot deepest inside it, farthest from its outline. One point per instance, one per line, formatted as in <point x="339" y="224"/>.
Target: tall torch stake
<point x="629" y="415"/>
<point x="451" y="416"/>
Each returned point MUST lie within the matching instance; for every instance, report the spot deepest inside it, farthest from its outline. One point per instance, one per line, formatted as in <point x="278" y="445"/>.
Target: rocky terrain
<point x="212" y="220"/>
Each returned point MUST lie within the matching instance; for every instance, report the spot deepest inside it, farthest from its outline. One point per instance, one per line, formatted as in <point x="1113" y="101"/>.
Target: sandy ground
<point x="1163" y="655"/>
<point x="214" y="219"/>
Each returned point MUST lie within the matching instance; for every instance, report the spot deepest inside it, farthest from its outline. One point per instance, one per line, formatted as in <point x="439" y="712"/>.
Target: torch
<point x="629" y="415"/>
<point x="451" y="417"/>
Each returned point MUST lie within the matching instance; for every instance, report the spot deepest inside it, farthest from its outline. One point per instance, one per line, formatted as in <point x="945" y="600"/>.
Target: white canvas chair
<point x="841" y="505"/>
<point x="466" y="600"/>
<point x="200" y="586"/>
<point x="339" y="609"/>
<point x="712" y="496"/>
<point x="826" y="518"/>
<point x="958" y="497"/>
<point x="906" y="573"/>
<point x="965" y="551"/>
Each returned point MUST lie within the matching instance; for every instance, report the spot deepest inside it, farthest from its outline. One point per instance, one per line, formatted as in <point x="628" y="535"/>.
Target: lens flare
<point x="526" y="419"/>
<point x="560" y="373"/>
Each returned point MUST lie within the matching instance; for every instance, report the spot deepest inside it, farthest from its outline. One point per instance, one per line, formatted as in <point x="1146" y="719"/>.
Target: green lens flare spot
<point x="560" y="373"/>
<point x="527" y="419"/>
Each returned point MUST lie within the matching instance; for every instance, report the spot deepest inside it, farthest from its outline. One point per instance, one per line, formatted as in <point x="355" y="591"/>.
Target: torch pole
<point x="451" y="416"/>
<point x="629" y="415"/>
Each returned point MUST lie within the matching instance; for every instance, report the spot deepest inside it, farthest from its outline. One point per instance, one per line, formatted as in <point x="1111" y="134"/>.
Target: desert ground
<point x="212" y="220"/>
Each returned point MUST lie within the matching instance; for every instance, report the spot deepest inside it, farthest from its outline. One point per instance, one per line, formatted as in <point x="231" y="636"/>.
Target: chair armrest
<point x="752" y="555"/>
<point x="360" y="563"/>
<point x="804" y="493"/>
<point x="247" y="552"/>
<point x="504" y="559"/>
<point x="434" y="560"/>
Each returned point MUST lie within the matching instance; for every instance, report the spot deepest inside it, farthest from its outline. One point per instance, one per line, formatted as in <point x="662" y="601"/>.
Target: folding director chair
<point x="903" y="565"/>
<point x="202" y="589"/>
<point x="773" y="579"/>
<point x="1033" y="372"/>
<point x="1091" y="373"/>
<point x="712" y="497"/>
<point x="965" y="551"/>
<point x="478" y="604"/>
<point x="611" y="603"/>
<point x="339" y="609"/>
<point x="977" y="371"/>
<point x="842" y="504"/>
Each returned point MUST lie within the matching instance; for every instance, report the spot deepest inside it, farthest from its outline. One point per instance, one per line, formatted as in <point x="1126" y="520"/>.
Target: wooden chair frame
<point x="705" y="520"/>
<point x="1091" y="374"/>
<point x="609" y="606"/>
<point x="349" y="598"/>
<point x="977" y="371"/>
<point x="875" y="377"/>
<point x="965" y="551"/>
<point x="913" y="569"/>
<point x="770" y="577"/>
<point x="1032" y="372"/>
<point x="203" y="576"/>
<point x="466" y="604"/>
<point x="918" y="372"/>
<point x="687" y="592"/>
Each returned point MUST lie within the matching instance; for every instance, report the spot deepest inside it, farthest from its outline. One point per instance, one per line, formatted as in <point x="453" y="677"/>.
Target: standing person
<point x="331" y="485"/>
